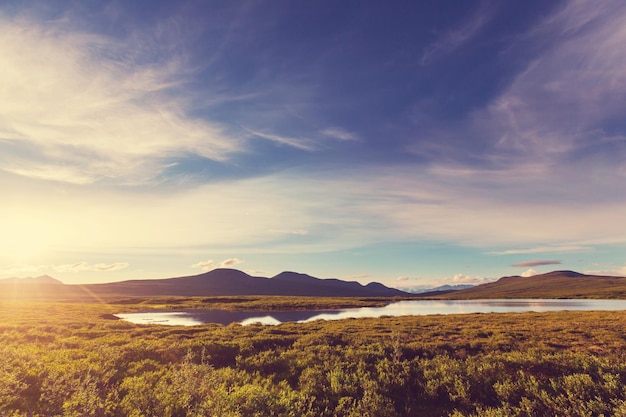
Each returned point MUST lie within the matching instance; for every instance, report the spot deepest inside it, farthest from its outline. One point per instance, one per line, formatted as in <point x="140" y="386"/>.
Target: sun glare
<point x="24" y="239"/>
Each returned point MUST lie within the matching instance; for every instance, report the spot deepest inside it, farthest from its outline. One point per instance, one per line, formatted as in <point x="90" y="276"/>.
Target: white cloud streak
<point x="84" y="266"/>
<point x="543" y="249"/>
<point x="347" y="210"/>
<point x="459" y="279"/>
<point x="559" y="104"/>
<point x="89" y="116"/>
<point x="204" y="265"/>
<point x="456" y="37"/>
<point x="16" y="270"/>
<point x="619" y="272"/>
<point x="64" y="268"/>
<point x="229" y="263"/>
<point x="297" y="232"/>
<point x="544" y="137"/>
<point x="339" y="134"/>
<point x="535" y="263"/>
<point x="210" y="265"/>
<point x="415" y="284"/>
<point x="298" y="143"/>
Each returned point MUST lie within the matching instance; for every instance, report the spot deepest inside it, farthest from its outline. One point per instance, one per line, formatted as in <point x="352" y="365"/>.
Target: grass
<point x="65" y="359"/>
<point x="256" y="303"/>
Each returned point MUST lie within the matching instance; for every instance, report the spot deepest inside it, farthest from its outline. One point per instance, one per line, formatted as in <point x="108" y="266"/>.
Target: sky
<point x="410" y="143"/>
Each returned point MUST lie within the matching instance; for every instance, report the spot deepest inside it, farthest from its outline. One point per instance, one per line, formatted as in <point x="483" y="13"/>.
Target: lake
<point x="193" y="317"/>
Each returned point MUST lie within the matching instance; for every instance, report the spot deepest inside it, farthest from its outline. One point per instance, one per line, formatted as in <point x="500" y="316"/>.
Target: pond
<point x="192" y="317"/>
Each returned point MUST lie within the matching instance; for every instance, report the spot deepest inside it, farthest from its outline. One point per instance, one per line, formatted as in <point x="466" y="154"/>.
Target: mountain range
<point x="218" y="282"/>
<point x="229" y="282"/>
<point x="422" y="290"/>
<point x="43" y="279"/>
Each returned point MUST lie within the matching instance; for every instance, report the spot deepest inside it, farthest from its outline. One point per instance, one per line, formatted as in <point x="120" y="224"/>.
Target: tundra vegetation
<point x="69" y="359"/>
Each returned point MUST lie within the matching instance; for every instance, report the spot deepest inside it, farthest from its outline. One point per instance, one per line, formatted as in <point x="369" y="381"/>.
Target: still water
<point x="193" y="317"/>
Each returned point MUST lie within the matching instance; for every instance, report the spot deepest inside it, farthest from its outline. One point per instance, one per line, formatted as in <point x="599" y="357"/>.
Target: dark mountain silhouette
<point x="556" y="284"/>
<point x="219" y="282"/>
<point x="233" y="282"/>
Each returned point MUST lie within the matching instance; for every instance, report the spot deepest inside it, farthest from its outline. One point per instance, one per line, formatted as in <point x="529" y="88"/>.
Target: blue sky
<point x="411" y="143"/>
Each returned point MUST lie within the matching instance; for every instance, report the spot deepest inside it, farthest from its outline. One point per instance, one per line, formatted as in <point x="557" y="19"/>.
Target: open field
<point x="66" y="359"/>
<point x="256" y="303"/>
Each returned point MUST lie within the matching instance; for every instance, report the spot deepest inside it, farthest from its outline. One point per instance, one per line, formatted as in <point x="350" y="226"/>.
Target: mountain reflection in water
<point x="193" y="317"/>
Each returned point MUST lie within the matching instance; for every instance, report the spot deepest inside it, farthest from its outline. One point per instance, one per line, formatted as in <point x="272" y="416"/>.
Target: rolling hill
<point x="231" y="282"/>
<point x="43" y="279"/>
<point x="556" y="284"/>
<point x="42" y="287"/>
<point x="218" y="282"/>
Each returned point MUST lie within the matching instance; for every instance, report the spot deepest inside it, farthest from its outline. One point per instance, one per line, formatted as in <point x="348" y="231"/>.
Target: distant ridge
<point x="555" y="284"/>
<point x="42" y="287"/>
<point x="441" y="288"/>
<point x="232" y="282"/>
<point x="43" y="279"/>
<point x="568" y="274"/>
<point x="218" y="282"/>
<point x="224" y="281"/>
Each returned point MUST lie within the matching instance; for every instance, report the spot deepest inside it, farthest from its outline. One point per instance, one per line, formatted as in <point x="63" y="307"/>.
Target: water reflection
<point x="194" y="317"/>
<point x="171" y="318"/>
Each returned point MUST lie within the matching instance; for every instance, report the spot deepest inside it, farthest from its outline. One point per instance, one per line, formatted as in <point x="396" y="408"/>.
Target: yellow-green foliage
<point x="258" y="303"/>
<point x="65" y="360"/>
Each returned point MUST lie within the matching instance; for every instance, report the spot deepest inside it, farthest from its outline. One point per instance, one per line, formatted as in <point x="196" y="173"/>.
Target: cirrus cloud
<point x="617" y="272"/>
<point x="84" y="266"/>
<point x="210" y="265"/>
<point x="229" y="263"/>
<point x="99" y="111"/>
<point x="63" y="268"/>
<point x="535" y="263"/>
<point x="339" y="134"/>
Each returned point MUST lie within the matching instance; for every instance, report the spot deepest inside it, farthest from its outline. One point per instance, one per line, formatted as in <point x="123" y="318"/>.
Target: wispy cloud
<point x="348" y="209"/>
<point x="558" y="105"/>
<point x="298" y="143"/>
<point x="542" y="249"/>
<point x="98" y="111"/>
<point x="210" y="265"/>
<point x="457" y="37"/>
<point x="359" y="276"/>
<point x="557" y="120"/>
<point x="467" y="279"/>
<point x="231" y="262"/>
<point x="75" y="267"/>
<point x="17" y="270"/>
<point x="535" y="263"/>
<point x="608" y="272"/>
<point x="84" y="266"/>
<point x="457" y="279"/>
<point x="297" y="232"/>
<point x="339" y="134"/>
<point x="204" y="265"/>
